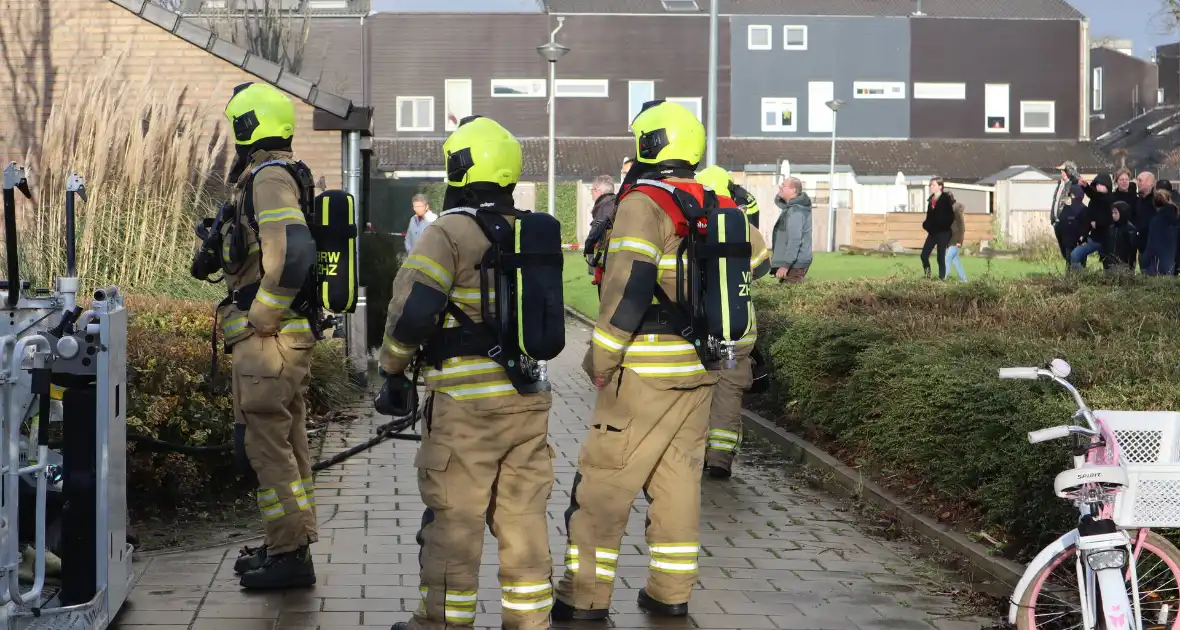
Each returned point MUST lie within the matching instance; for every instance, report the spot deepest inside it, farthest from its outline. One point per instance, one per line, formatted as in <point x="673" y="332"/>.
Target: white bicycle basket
<point x="1149" y="445"/>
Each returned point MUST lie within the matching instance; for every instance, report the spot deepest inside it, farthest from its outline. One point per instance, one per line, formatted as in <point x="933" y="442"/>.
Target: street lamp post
<point x="711" y="120"/>
<point x="552" y="52"/>
<point x="833" y="105"/>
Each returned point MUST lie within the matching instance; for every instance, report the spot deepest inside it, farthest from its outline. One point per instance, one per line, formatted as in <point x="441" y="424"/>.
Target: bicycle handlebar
<point x="1034" y="373"/>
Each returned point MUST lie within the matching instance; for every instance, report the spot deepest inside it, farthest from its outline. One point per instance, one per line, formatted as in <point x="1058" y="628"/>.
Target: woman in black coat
<point x="1159" y="259"/>
<point x="940" y="216"/>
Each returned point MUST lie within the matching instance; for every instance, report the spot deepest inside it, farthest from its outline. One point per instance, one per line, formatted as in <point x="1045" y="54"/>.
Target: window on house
<point x="322" y="5"/>
<point x="693" y="103"/>
<point x="519" y="88"/>
<point x="820" y="117"/>
<point x="878" y="89"/>
<point x="759" y="37"/>
<point x="582" y="88"/>
<point x="948" y="91"/>
<point x="1096" y="89"/>
<point x="794" y="37"/>
<point x="780" y="114"/>
<point x="1037" y="116"/>
<point x="638" y="93"/>
<point x="995" y="107"/>
<point x="415" y="113"/>
<point x="458" y="102"/>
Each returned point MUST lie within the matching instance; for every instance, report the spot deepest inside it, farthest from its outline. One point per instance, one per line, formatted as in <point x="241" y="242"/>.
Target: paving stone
<point x="776" y="554"/>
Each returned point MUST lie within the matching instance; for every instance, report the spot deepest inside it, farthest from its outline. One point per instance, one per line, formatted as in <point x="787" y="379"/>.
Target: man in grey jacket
<point x="791" y="256"/>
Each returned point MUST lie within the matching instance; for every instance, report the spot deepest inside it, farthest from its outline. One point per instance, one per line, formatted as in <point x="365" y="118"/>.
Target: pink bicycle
<point x="1111" y="572"/>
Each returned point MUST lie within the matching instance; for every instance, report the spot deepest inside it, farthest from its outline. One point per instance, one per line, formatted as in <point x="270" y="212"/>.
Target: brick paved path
<point x="775" y="553"/>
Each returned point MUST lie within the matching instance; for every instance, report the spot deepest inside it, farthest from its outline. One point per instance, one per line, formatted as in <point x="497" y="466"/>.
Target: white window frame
<point x="1096" y="89"/>
<point x="1007" y="109"/>
<point x="786" y="40"/>
<point x="536" y="88"/>
<point x="940" y="91"/>
<point x="401" y="125"/>
<point x="447" y="124"/>
<point x="695" y="101"/>
<point x="887" y="88"/>
<point x="820" y="117"/>
<point x="766" y="28"/>
<point x="630" y="92"/>
<point x="604" y="84"/>
<point x="779" y="104"/>
<point x="1025" y="106"/>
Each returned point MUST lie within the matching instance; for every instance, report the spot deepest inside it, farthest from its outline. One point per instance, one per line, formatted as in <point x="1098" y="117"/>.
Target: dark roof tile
<point x="1019" y="9"/>
<point x="961" y="160"/>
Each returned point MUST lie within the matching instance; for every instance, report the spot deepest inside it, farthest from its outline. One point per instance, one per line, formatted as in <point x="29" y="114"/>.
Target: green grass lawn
<point x="583" y="297"/>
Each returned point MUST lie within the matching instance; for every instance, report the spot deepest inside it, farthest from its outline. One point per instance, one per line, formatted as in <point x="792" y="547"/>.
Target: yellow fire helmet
<point x="482" y="151"/>
<point x="721" y="181"/>
<point x="668" y="132"/>
<point x="260" y="111"/>
<point x="716" y="178"/>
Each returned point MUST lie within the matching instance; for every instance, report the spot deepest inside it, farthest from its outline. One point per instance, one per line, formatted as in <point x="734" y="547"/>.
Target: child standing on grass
<point x="958" y="228"/>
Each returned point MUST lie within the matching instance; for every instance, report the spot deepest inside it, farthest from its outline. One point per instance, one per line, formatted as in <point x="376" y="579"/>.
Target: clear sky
<point x="1136" y="19"/>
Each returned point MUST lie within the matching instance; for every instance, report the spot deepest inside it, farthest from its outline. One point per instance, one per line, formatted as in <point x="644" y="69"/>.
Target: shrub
<point x="380" y="260"/>
<point x="901" y="378"/>
<point x="171" y="398"/>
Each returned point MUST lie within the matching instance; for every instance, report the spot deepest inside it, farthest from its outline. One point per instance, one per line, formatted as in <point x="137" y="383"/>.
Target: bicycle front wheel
<point x="1052" y="601"/>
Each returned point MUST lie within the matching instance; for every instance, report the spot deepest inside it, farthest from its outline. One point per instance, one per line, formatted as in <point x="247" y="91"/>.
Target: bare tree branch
<point x="268" y="30"/>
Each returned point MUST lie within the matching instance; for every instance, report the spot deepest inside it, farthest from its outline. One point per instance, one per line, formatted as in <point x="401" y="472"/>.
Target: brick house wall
<point x="44" y="43"/>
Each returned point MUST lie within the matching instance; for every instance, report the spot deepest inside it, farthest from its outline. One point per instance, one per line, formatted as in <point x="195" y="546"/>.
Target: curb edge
<point x="848" y="483"/>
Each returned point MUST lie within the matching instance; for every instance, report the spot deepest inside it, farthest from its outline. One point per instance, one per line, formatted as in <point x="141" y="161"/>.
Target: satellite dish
<point x="784" y="169"/>
<point x="900" y="180"/>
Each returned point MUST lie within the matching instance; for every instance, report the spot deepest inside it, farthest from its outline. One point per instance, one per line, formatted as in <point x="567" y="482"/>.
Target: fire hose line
<point x="390" y="430"/>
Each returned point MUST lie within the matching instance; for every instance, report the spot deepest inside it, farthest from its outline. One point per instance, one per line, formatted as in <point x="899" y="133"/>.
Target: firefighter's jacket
<point x="644" y="235"/>
<point x="283" y="247"/>
<point x="445" y="259"/>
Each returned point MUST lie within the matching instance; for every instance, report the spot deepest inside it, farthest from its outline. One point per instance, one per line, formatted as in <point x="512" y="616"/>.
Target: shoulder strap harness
<point x="492" y="337"/>
<point x="305" y="302"/>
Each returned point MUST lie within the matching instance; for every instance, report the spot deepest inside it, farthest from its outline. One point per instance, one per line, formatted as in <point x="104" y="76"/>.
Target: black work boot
<point x="250" y="558"/>
<point x="564" y="612"/>
<point x="718" y="472"/>
<point x="282" y="570"/>
<point x="401" y="625"/>
<point x="660" y="609"/>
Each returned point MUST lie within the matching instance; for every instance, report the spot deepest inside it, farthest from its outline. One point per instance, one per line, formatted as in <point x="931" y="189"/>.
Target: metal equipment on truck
<point x="50" y="344"/>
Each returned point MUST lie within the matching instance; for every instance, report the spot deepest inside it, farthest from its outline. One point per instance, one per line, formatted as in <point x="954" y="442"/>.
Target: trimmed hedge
<point x="170" y="398"/>
<point x="900" y="379"/>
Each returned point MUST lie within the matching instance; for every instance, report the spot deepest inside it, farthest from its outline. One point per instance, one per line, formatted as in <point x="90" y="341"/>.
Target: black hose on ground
<point x="389" y="431"/>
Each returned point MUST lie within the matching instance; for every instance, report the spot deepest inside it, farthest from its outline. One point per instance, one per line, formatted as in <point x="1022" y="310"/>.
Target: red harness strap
<point x="667" y="203"/>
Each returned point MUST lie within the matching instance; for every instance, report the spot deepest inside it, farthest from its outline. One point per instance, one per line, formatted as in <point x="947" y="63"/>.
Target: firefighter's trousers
<point x="725" y="414"/>
<point x="270" y="376"/>
<point x="640" y="438"/>
<point x="485" y="461"/>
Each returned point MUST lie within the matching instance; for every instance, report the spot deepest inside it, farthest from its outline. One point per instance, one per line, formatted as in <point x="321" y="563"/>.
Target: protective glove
<point x="396" y="397"/>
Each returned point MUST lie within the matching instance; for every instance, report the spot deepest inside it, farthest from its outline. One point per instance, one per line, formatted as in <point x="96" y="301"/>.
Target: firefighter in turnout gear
<point x="725" y="415"/>
<point x="267" y="254"/>
<point x="651" y="416"/>
<point x="485" y="455"/>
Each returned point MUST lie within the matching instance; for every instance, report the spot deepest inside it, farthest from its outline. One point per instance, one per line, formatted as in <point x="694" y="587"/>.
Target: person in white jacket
<point x="423" y="217"/>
